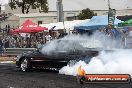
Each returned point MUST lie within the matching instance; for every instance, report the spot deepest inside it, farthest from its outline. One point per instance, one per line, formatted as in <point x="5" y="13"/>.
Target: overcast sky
<point x="92" y="4"/>
<point x="3" y="1"/>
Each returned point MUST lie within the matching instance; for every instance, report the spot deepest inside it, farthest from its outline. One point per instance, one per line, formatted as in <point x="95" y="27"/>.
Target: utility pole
<point x="0" y="18"/>
<point x="109" y="4"/>
<point x="60" y="13"/>
<point x="111" y="15"/>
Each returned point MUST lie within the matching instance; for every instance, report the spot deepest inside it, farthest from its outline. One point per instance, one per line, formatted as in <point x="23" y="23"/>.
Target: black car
<point x="57" y="58"/>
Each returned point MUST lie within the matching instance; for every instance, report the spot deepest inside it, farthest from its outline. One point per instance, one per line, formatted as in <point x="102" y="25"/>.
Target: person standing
<point x="1" y="46"/>
<point x="48" y="37"/>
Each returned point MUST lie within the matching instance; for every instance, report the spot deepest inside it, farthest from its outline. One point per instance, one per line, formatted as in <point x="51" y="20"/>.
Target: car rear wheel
<point x="25" y="65"/>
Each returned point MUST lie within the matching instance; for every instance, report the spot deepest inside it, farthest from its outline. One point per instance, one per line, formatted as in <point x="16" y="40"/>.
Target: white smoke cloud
<point x="80" y="42"/>
<point x="67" y="70"/>
<point x="113" y="60"/>
<point x="71" y="43"/>
<point x="116" y="62"/>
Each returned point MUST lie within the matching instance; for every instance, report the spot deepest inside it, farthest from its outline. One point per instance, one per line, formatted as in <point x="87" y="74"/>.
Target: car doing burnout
<point x="57" y="58"/>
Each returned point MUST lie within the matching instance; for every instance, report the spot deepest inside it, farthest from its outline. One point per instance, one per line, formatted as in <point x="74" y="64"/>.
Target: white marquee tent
<point x="68" y="25"/>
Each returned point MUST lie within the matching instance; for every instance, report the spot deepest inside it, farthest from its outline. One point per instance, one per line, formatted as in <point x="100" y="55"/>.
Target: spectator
<point x="1" y="46"/>
<point x="6" y="43"/>
<point x="48" y="37"/>
<point x="39" y="45"/>
<point x="109" y="31"/>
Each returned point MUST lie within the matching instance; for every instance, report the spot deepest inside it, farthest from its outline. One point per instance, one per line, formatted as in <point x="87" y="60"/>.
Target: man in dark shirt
<point x="1" y="46"/>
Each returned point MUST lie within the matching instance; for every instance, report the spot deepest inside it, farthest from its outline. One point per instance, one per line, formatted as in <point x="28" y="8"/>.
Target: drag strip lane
<point x="11" y="77"/>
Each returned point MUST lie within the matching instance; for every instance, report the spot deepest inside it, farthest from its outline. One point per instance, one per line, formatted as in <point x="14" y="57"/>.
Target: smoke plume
<point x="116" y="62"/>
<point x="80" y="42"/>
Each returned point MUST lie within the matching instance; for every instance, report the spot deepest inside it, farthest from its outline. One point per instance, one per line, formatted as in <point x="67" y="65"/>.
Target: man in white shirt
<point x="48" y="37"/>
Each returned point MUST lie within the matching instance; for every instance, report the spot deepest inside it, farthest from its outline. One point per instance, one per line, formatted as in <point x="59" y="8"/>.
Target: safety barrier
<point x="16" y="51"/>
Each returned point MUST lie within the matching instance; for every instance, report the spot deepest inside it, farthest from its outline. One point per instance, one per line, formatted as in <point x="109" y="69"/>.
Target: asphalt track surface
<point x="11" y="77"/>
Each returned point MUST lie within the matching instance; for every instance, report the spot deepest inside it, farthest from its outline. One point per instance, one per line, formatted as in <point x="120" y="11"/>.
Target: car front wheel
<point x="25" y="65"/>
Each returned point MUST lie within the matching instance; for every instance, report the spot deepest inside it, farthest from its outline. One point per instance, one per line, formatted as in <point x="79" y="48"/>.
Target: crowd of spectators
<point x="115" y="35"/>
<point x="37" y="40"/>
<point x="24" y="40"/>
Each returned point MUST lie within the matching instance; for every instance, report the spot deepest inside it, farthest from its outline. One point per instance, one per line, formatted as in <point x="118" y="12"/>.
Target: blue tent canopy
<point x="95" y="23"/>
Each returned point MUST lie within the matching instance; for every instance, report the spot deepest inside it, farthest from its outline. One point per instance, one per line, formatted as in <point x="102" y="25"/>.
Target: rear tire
<point x="25" y="65"/>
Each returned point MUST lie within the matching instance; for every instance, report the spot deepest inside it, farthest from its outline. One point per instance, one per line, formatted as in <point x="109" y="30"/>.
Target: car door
<point x="38" y="59"/>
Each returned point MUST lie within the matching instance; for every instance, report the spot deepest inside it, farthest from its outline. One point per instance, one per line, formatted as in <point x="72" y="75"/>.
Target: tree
<point x="86" y="14"/>
<point x="25" y="5"/>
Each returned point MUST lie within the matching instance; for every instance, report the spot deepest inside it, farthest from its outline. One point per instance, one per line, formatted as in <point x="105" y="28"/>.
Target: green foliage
<point x="25" y="5"/>
<point x="86" y="14"/>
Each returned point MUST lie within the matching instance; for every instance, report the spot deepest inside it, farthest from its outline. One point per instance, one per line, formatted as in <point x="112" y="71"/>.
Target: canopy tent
<point x="68" y="25"/>
<point x="14" y="31"/>
<point x="29" y="27"/>
<point x="95" y="23"/>
<point x="126" y="23"/>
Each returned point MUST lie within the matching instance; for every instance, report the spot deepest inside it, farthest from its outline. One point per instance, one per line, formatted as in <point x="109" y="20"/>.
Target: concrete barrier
<point x="16" y="51"/>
